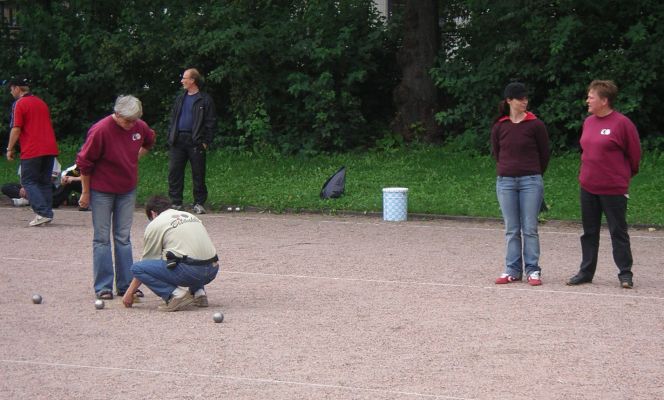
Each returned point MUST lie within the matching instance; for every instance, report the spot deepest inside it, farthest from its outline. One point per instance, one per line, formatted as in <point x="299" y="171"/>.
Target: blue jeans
<point x="116" y="211"/>
<point x="36" y="180"/>
<point x="520" y="199"/>
<point x="163" y="281"/>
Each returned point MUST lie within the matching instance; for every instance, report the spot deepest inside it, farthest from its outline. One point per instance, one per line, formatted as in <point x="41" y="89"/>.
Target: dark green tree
<point x="416" y="96"/>
<point x="557" y="48"/>
<point x="299" y="76"/>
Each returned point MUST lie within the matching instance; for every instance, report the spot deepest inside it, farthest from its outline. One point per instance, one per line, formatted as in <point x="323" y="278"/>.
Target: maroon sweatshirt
<point x="611" y="152"/>
<point x="520" y="149"/>
<point x="110" y="155"/>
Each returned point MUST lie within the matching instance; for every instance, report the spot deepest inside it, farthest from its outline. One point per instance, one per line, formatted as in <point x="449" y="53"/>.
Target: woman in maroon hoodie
<point x="611" y="152"/>
<point x="520" y="146"/>
<point x="109" y="174"/>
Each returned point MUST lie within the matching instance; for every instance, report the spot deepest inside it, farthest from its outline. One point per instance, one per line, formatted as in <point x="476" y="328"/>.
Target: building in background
<point x="8" y="13"/>
<point x="386" y="8"/>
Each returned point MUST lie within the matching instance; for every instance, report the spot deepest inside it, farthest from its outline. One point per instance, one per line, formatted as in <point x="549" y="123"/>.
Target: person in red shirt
<point x="109" y="174"/>
<point x="31" y="127"/>
<point x="520" y="146"/>
<point x="610" y="156"/>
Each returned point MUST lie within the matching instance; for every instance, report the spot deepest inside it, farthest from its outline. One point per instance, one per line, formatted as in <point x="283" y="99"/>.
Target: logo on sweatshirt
<point x="179" y="219"/>
<point x="605" y="132"/>
<point x="136" y="136"/>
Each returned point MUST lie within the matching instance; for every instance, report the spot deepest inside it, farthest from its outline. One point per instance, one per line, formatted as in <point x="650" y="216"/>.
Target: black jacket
<point x="204" y="119"/>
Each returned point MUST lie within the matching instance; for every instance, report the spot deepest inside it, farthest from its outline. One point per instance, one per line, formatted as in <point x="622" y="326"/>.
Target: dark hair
<point x="513" y="90"/>
<point x="21" y="81"/>
<point x="157" y="204"/>
<point x="503" y="110"/>
<point x="605" y="89"/>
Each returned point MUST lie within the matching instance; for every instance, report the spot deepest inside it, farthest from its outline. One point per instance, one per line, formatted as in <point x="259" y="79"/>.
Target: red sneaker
<point x="506" y="278"/>
<point x="535" y="279"/>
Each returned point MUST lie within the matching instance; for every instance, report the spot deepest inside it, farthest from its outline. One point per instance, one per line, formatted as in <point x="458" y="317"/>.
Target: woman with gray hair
<point x="109" y="174"/>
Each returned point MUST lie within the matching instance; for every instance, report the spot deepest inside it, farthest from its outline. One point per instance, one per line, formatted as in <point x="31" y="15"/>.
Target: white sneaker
<point x="21" y="202"/>
<point x="177" y="303"/>
<point x="199" y="209"/>
<point x="39" y="220"/>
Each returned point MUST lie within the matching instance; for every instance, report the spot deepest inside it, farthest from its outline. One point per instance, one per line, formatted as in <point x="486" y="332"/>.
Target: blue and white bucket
<point x="395" y="204"/>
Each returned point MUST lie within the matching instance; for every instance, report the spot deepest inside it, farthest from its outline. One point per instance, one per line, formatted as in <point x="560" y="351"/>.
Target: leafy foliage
<point x="557" y="48"/>
<point x="311" y="76"/>
<point x="302" y="76"/>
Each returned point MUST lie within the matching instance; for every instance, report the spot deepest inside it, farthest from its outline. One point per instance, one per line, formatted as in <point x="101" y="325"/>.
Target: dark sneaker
<point x="104" y="294"/>
<point x="627" y="284"/>
<point x="201" y="301"/>
<point x="578" y="279"/>
<point x="177" y="207"/>
<point x="506" y="278"/>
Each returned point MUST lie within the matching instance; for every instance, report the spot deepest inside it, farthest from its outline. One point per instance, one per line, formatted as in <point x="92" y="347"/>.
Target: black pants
<point x="11" y="190"/>
<point x="60" y="195"/>
<point x="615" y="210"/>
<point x="180" y="153"/>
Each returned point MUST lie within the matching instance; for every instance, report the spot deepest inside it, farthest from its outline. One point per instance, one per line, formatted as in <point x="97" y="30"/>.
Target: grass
<point x="439" y="182"/>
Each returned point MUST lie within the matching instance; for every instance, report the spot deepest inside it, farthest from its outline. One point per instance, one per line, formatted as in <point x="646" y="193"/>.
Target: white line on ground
<point x="237" y="378"/>
<point x="438" y="284"/>
<point x="413" y="283"/>
<point x="417" y="225"/>
<point x="409" y="224"/>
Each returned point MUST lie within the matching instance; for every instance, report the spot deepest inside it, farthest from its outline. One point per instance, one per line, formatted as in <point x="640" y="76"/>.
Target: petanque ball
<point x="99" y="304"/>
<point x="37" y="299"/>
<point x="218" y="317"/>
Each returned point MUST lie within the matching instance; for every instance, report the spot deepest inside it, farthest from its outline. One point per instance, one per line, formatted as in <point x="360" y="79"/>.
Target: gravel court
<point x="334" y="307"/>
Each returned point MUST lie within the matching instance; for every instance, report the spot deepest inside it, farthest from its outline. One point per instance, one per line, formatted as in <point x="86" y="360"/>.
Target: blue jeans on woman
<point x="116" y="211"/>
<point x="163" y="281"/>
<point x="36" y="180"/>
<point x="520" y="199"/>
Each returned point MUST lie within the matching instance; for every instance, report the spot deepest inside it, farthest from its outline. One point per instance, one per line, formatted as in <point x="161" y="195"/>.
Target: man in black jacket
<point x="192" y="127"/>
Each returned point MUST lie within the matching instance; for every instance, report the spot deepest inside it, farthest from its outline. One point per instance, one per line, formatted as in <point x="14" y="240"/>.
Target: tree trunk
<point x="416" y="97"/>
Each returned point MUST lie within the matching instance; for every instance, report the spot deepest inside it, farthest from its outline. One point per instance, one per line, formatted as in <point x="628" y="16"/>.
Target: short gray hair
<point x="128" y="107"/>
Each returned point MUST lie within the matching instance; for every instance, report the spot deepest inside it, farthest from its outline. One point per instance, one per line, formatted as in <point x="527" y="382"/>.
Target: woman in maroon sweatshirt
<point x="520" y="146"/>
<point x="611" y="152"/>
<point x="109" y="175"/>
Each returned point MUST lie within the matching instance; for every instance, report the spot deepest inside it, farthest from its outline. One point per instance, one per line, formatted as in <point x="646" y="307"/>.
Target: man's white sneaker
<point x="199" y="209"/>
<point x="20" y="202"/>
<point x="39" y="220"/>
<point x="177" y="303"/>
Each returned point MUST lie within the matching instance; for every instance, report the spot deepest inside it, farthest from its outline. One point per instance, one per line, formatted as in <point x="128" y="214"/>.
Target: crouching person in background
<point x="179" y="258"/>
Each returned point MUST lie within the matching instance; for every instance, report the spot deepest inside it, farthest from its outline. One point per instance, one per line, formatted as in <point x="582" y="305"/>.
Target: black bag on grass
<point x="335" y="185"/>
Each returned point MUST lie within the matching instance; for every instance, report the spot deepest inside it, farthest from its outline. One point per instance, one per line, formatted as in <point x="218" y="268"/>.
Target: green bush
<point x="557" y="48"/>
<point x="317" y="76"/>
<point x="302" y="76"/>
